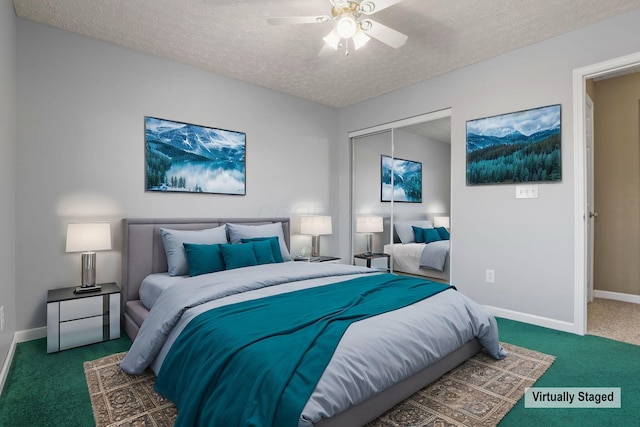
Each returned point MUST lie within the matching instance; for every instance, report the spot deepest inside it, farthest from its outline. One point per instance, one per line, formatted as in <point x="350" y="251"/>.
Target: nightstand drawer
<point x="80" y="332"/>
<point x="79" y="319"/>
<point x="80" y="308"/>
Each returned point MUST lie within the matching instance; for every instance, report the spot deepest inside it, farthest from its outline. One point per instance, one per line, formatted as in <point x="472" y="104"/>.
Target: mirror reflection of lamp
<point x="315" y="225"/>
<point x="441" y="221"/>
<point x="369" y="225"/>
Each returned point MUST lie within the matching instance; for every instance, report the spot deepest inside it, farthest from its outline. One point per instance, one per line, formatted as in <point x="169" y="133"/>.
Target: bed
<point x="329" y="404"/>
<point x="426" y="257"/>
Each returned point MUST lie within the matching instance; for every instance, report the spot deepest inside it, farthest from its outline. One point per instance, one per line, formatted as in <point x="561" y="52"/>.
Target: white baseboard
<point x="7" y="363"/>
<point x="533" y="319"/>
<point x="18" y="337"/>
<point x="31" y="334"/>
<point x="617" y="296"/>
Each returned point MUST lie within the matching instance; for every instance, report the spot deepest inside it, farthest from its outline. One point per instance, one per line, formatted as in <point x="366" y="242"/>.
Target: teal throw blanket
<point x="256" y="363"/>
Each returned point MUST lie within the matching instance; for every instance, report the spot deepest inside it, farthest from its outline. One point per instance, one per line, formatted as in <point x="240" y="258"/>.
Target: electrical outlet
<point x="490" y="276"/>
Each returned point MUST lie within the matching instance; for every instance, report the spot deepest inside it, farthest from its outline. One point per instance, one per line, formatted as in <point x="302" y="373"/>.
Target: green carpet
<point x="581" y="361"/>
<point x="50" y="389"/>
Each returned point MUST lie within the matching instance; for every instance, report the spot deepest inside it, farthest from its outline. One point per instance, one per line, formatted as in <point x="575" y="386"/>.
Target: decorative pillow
<point x="274" y="244"/>
<point x="404" y="229"/>
<point x="236" y="256"/>
<point x="203" y="259"/>
<point x="443" y="233"/>
<point x="418" y="234"/>
<point x="237" y="232"/>
<point x="263" y="251"/>
<point x="431" y="235"/>
<point x="173" y="241"/>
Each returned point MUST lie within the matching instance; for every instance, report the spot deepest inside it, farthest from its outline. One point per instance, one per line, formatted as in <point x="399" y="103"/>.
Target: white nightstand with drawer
<point x="74" y="320"/>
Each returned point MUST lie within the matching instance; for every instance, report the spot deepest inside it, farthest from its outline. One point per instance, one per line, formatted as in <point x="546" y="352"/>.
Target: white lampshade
<point x="360" y="39"/>
<point x="315" y="225"/>
<point x="441" y="221"/>
<point x="369" y="224"/>
<point x="89" y="237"/>
<point x="332" y="39"/>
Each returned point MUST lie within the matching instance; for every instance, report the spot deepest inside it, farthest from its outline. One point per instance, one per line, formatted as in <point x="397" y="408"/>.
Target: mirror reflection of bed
<point x="413" y="253"/>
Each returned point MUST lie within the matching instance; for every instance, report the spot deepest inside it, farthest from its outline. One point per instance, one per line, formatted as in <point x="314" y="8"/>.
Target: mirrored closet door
<point x="401" y="180"/>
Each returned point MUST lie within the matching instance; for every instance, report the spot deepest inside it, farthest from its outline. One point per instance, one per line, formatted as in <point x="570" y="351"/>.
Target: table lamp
<point x="315" y="225"/>
<point x="88" y="238"/>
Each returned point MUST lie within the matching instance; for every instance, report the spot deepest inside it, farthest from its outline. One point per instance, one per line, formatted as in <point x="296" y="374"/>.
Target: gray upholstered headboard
<point x="143" y="251"/>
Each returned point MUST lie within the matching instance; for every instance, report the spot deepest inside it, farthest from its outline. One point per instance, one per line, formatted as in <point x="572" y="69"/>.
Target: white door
<point x="591" y="214"/>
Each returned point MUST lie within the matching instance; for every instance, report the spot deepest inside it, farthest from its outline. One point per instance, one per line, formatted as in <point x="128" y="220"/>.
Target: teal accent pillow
<point x="443" y="233"/>
<point x="431" y="235"/>
<point x="241" y="231"/>
<point x="173" y="240"/>
<point x="273" y="241"/>
<point x="236" y="256"/>
<point x="263" y="251"/>
<point x="418" y="234"/>
<point x="202" y="259"/>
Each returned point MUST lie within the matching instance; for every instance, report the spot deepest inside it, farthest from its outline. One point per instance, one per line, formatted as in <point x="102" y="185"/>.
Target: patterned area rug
<point x="479" y="392"/>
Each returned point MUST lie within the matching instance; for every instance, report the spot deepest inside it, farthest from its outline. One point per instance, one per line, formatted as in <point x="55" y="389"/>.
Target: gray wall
<point x="7" y="172"/>
<point x="80" y="152"/>
<point x="529" y="243"/>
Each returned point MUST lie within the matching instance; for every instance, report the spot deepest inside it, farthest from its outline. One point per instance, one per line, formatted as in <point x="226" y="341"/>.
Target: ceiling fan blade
<point x="382" y="33"/>
<point x="298" y="20"/>
<point x="369" y="7"/>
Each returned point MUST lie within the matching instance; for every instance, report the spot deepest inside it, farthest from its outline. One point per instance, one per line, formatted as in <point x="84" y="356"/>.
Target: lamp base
<point x="88" y="269"/>
<point x="369" y="237"/>
<point x="315" y="246"/>
<point x="84" y="289"/>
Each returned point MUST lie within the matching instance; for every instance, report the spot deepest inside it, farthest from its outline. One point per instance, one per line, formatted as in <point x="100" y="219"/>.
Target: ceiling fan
<point x="352" y="22"/>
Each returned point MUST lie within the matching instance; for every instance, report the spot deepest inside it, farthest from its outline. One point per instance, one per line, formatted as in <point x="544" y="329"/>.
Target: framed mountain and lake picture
<point x="513" y="148"/>
<point x="183" y="157"/>
<point x="406" y="185"/>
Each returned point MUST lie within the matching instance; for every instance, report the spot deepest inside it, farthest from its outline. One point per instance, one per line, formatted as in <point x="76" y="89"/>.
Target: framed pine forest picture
<point x="524" y="146"/>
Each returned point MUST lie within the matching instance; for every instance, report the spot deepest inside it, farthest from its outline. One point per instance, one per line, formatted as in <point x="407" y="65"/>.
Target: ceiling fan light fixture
<point x="346" y="26"/>
<point x="360" y="39"/>
<point x="332" y="39"/>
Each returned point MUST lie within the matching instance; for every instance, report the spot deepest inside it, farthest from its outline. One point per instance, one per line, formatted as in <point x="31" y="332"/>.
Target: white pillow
<point x="173" y="245"/>
<point x="405" y="232"/>
<point x="237" y="232"/>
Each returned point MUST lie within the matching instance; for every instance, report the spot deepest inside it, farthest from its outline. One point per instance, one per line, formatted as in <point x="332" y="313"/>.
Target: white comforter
<point x="372" y="355"/>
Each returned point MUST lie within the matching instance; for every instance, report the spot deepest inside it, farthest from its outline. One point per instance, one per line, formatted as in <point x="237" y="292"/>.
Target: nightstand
<point x="371" y="256"/>
<point x="74" y="319"/>
<point x="321" y="258"/>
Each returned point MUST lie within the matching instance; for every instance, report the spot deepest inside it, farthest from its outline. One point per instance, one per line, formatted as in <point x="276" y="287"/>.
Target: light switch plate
<point x="527" y="191"/>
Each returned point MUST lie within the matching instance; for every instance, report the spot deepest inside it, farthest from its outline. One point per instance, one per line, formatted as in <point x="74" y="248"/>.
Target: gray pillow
<point x="173" y="245"/>
<point x="405" y="232"/>
<point x="237" y="232"/>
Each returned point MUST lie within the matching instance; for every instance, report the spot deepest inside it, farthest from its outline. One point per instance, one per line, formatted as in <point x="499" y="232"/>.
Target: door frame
<point x="580" y="76"/>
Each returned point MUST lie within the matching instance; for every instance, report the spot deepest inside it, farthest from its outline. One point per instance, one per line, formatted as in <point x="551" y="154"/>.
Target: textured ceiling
<point x="232" y="37"/>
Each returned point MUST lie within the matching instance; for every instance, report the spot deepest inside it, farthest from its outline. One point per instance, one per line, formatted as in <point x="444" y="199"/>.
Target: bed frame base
<point x="377" y="405"/>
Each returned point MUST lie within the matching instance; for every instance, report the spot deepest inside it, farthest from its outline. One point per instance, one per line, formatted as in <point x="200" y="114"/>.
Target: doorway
<point x="583" y="175"/>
